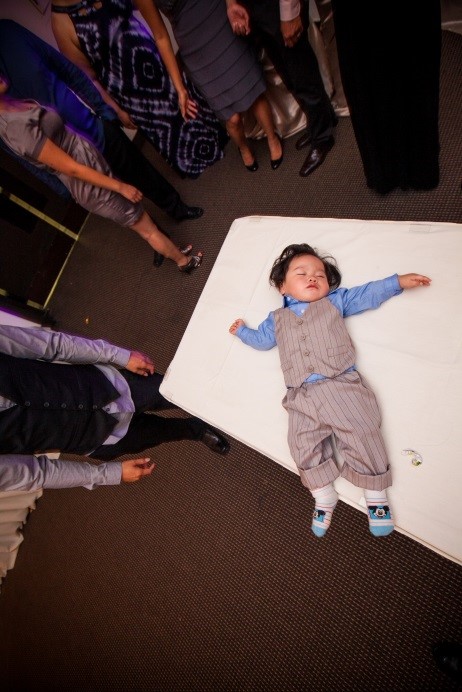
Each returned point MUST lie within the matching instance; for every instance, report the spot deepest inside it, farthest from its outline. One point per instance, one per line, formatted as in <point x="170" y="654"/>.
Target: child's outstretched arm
<point x="235" y="325"/>
<point x="261" y="339"/>
<point x="413" y="280"/>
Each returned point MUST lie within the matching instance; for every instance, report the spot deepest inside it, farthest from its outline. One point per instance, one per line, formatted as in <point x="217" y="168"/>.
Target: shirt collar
<point x="288" y="301"/>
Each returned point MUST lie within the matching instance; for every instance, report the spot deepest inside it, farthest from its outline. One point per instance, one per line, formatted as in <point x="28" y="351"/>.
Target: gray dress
<point x="26" y="132"/>
<point x="222" y="65"/>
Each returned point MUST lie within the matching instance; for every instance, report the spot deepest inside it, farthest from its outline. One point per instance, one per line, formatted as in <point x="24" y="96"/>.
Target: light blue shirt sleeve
<point x="353" y="301"/>
<point x="28" y="472"/>
<point x="348" y="301"/>
<point x="263" y="338"/>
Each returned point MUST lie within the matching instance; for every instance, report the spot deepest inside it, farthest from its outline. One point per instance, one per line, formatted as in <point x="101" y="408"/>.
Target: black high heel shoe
<point x="275" y="163"/>
<point x="158" y="259"/>
<point x="251" y="167"/>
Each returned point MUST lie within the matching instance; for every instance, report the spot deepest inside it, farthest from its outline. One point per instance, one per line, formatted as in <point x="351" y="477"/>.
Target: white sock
<point x="325" y="499"/>
<point x="378" y="512"/>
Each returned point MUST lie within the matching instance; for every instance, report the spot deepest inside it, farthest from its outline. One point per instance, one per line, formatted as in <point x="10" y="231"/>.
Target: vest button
<point x="46" y="404"/>
<point x="27" y="403"/>
<point x="306" y="353"/>
<point x="94" y="407"/>
<point x="303" y="337"/>
<point x="63" y="405"/>
<point x="299" y="321"/>
<point x="80" y="406"/>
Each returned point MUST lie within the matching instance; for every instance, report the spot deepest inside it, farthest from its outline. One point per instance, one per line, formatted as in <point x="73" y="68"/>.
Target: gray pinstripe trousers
<point x="346" y="407"/>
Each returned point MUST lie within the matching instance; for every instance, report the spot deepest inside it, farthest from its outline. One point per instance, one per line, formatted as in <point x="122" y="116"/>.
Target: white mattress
<point x="409" y="350"/>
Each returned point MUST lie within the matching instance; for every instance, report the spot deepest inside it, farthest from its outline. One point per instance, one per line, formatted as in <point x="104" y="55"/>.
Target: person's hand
<point x="134" y="469"/>
<point x="188" y="107"/>
<point x="131" y="193"/>
<point x="235" y="326"/>
<point x="413" y="280"/>
<point x="140" y="364"/>
<point x="239" y="19"/>
<point x="291" y="31"/>
<point x="126" y="120"/>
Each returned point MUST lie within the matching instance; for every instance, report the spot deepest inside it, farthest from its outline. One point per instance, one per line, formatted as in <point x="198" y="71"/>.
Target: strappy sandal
<point x="194" y="262"/>
<point x="158" y="259"/>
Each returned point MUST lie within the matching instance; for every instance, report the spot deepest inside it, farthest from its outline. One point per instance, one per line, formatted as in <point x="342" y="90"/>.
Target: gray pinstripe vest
<point x="317" y="342"/>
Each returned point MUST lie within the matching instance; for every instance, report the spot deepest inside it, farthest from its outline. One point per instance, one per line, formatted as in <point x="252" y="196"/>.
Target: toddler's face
<point x="306" y="279"/>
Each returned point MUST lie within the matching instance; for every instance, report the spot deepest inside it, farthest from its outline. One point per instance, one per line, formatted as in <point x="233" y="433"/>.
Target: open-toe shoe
<point x="158" y="258"/>
<point x="194" y="262"/>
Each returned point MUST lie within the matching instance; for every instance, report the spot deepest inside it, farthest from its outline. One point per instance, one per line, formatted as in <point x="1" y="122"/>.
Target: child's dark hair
<point x="281" y="265"/>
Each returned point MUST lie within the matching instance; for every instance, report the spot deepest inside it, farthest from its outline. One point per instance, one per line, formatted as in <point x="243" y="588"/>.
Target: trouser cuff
<point x="320" y="476"/>
<point x="361" y="480"/>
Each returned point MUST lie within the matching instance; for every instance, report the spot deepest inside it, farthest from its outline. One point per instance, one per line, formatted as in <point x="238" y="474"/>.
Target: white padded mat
<point x="409" y="350"/>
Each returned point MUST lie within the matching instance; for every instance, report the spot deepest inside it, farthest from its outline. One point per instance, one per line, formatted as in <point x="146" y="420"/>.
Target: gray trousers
<point x="346" y="407"/>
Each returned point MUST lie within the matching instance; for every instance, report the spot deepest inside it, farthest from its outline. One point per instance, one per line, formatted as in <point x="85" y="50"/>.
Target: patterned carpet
<point x="206" y="576"/>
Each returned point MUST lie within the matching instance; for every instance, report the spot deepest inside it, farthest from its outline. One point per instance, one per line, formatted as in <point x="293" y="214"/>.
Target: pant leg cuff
<point x="319" y="476"/>
<point x="380" y="482"/>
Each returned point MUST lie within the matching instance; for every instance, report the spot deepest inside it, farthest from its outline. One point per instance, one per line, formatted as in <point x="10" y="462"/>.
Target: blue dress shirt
<point x="348" y="301"/>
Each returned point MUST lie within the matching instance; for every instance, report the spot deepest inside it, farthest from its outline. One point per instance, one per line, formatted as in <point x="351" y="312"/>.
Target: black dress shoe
<point x="189" y="213"/>
<point x="304" y="140"/>
<point x="214" y="441"/>
<point x="316" y="156"/>
<point x="448" y="656"/>
<point x="209" y="436"/>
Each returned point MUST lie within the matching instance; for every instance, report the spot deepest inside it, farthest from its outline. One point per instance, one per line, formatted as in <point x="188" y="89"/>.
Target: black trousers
<point x="391" y="78"/>
<point x="130" y="166"/>
<point x="298" y="66"/>
<point x="147" y="430"/>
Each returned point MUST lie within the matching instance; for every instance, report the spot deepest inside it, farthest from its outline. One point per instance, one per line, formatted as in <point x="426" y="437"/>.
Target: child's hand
<point x="413" y="280"/>
<point x="235" y="326"/>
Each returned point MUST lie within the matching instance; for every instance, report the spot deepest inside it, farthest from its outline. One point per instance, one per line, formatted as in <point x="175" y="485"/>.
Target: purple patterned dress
<point x="128" y="65"/>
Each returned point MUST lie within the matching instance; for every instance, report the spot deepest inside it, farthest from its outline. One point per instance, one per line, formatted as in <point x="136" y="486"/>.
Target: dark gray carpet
<point x="206" y="576"/>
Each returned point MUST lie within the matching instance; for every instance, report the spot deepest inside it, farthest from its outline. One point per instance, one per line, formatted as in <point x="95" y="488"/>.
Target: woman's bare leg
<point x="262" y="112"/>
<point x="148" y="230"/>
<point x="235" y="128"/>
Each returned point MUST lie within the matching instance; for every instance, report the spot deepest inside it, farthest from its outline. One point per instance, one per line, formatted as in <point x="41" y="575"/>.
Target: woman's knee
<point x="234" y="122"/>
